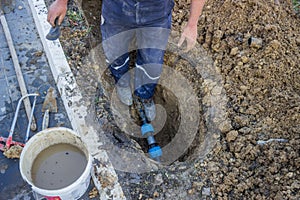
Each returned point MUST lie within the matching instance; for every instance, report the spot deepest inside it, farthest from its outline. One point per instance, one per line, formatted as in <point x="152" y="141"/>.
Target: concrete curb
<point x="104" y="175"/>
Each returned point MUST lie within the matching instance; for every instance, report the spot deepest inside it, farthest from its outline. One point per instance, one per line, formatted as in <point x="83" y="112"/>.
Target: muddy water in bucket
<point x="58" y="166"/>
<point x="56" y="163"/>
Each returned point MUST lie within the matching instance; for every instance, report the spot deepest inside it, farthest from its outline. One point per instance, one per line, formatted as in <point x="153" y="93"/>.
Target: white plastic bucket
<point x="47" y="138"/>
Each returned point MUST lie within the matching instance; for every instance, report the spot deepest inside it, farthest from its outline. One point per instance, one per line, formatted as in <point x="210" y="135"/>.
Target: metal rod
<point x="9" y="140"/>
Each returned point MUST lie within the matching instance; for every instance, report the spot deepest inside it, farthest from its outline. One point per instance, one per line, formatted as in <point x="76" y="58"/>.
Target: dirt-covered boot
<point x="125" y="95"/>
<point x="149" y="107"/>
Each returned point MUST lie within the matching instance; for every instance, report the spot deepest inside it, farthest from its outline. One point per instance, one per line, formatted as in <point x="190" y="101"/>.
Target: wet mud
<point x="58" y="166"/>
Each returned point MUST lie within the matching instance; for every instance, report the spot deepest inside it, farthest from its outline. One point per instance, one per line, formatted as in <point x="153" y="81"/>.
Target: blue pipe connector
<point x="155" y="152"/>
<point x="147" y="128"/>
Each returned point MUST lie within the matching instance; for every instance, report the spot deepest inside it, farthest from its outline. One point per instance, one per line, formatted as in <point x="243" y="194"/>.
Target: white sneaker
<point x="125" y="95"/>
<point x="149" y="107"/>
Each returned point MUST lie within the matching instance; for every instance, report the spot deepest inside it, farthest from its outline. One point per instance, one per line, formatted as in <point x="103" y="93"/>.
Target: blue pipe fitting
<point x="146" y="128"/>
<point x="155" y="152"/>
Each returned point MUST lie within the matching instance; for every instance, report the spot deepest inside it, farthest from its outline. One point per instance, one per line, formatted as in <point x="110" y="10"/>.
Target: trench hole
<point x="171" y="125"/>
<point x="165" y="98"/>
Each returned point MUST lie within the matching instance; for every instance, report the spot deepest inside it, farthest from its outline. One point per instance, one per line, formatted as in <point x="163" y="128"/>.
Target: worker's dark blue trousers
<point x="142" y="25"/>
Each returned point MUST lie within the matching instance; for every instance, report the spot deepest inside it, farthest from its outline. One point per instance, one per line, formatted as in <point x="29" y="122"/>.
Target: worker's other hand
<point x="58" y="9"/>
<point x="189" y="35"/>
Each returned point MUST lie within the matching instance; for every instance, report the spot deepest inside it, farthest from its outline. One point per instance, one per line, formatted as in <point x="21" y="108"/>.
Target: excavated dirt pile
<point x="255" y="45"/>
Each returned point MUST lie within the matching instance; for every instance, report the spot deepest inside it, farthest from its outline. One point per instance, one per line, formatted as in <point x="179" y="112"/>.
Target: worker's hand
<point x="189" y="35"/>
<point x="58" y="9"/>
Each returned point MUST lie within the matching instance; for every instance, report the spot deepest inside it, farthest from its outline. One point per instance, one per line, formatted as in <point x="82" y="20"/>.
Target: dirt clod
<point x="231" y="136"/>
<point x="13" y="152"/>
<point x="93" y="193"/>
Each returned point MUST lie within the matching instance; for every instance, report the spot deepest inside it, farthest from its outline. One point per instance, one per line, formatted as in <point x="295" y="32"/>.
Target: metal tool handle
<point x="12" y="128"/>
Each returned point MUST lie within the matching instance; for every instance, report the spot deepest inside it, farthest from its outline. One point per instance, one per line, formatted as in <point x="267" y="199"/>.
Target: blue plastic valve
<point x="155" y="152"/>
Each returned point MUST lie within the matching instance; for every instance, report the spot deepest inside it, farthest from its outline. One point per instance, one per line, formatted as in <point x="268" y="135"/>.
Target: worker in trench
<point x="148" y="22"/>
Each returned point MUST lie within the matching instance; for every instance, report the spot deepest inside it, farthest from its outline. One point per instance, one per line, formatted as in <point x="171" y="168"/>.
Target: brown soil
<point x="263" y="88"/>
<point x="262" y="84"/>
